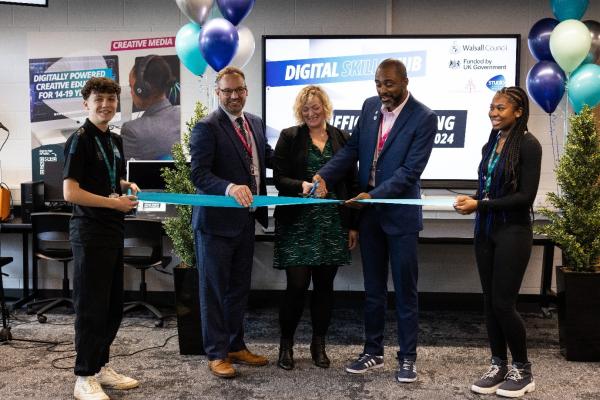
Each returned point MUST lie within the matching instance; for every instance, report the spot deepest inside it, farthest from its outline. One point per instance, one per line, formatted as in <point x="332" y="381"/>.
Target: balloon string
<point x="555" y="154"/>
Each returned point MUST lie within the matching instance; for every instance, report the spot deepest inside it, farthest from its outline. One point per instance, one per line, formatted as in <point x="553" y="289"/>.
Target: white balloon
<point x="245" y="48"/>
<point x="196" y="10"/>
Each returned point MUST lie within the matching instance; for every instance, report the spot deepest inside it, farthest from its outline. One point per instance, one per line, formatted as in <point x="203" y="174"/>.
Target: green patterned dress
<point x="317" y="237"/>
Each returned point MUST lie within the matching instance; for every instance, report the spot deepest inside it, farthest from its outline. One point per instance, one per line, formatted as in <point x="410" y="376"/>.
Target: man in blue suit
<point x="392" y="143"/>
<point x="229" y="155"/>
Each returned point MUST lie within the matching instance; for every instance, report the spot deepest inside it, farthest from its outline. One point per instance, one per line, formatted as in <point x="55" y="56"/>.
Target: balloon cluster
<point x="218" y="42"/>
<point x="565" y="45"/>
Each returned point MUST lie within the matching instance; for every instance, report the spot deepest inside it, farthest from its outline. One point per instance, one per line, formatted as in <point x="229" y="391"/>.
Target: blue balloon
<point x="546" y="84"/>
<point x="539" y="39"/>
<point x="569" y="9"/>
<point x="235" y="11"/>
<point x="188" y="49"/>
<point x="584" y="87"/>
<point x="218" y="42"/>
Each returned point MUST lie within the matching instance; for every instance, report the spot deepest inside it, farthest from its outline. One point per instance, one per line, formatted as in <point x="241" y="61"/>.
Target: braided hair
<point x="505" y="179"/>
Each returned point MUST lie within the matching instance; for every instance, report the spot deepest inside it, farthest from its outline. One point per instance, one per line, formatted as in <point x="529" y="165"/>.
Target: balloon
<point x="196" y="10"/>
<point x="546" y="84"/>
<point x="218" y="42"/>
<point x="245" y="48"/>
<point x="584" y="87"/>
<point x="570" y="43"/>
<point x="235" y="10"/>
<point x="188" y="50"/>
<point x="539" y="39"/>
<point x="569" y="9"/>
<point x="594" y="53"/>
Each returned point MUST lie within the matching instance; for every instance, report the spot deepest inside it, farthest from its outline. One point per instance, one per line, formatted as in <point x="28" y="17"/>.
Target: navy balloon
<point x="539" y="39"/>
<point x="235" y="10"/>
<point x="546" y="84"/>
<point x="218" y="42"/>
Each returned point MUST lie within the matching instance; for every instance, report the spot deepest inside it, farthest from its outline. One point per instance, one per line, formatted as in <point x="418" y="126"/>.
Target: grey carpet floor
<point x="452" y="353"/>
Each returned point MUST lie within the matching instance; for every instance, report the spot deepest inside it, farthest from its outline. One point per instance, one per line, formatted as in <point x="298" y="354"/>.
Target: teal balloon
<point x="569" y="9"/>
<point x="584" y="87"/>
<point x="188" y="48"/>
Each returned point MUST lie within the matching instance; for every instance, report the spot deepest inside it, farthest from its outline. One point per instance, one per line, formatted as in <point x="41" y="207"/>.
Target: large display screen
<point x="456" y="76"/>
<point x="39" y="3"/>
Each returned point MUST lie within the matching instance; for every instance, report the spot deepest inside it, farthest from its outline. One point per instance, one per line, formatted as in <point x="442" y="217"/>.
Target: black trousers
<point x="321" y="301"/>
<point x="502" y="258"/>
<point x="98" y="302"/>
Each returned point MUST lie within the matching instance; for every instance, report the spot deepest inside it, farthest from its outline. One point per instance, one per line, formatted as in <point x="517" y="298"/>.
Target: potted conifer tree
<point x="180" y="231"/>
<point x="575" y="227"/>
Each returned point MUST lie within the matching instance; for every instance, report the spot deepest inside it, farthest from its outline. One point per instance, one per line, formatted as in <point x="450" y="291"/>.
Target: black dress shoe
<point x="317" y="351"/>
<point x="286" y="354"/>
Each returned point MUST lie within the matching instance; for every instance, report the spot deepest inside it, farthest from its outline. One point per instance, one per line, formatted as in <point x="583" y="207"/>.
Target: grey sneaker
<point x="519" y="381"/>
<point x="364" y="363"/>
<point x="492" y="379"/>
<point x="407" y="372"/>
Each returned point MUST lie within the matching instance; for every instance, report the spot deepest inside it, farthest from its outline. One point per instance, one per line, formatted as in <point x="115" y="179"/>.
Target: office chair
<point x="50" y="231"/>
<point x="5" y="334"/>
<point x="143" y="250"/>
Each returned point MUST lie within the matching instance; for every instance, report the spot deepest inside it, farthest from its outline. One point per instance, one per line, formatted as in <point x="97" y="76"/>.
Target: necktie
<point x="240" y="123"/>
<point x="248" y="145"/>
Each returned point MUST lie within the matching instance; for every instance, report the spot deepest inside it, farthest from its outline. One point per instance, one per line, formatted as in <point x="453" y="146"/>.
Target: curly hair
<point x="100" y="85"/>
<point x="305" y="94"/>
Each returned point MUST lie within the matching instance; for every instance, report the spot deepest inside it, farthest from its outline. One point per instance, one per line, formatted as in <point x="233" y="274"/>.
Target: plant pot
<point x="187" y="308"/>
<point x="578" y="300"/>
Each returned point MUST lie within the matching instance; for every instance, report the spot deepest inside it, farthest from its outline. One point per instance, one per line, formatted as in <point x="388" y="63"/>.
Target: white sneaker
<point x="108" y="377"/>
<point x="88" y="388"/>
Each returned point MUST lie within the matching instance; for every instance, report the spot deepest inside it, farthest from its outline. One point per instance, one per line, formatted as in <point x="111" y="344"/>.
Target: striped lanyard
<point x="494" y="157"/>
<point x="112" y="170"/>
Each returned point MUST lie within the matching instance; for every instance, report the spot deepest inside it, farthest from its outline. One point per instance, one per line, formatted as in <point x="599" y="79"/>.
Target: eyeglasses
<point x="239" y="90"/>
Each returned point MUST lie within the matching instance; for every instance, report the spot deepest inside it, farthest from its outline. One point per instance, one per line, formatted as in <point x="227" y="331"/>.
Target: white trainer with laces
<point x="109" y="378"/>
<point x="88" y="388"/>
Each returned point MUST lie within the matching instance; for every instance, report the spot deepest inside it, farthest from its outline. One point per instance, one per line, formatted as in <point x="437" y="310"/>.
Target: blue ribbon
<point x="206" y="200"/>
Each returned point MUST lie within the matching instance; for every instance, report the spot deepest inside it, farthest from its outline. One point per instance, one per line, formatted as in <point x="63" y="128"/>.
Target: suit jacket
<point x="400" y="164"/>
<point x="289" y="170"/>
<point x="218" y="159"/>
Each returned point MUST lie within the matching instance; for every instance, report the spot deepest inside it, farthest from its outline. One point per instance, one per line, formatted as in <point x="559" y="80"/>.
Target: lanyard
<point x="494" y="157"/>
<point x="112" y="171"/>
<point x="247" y="143"/>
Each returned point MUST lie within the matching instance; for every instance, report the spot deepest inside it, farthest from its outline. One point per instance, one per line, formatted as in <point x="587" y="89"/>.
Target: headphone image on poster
<point x="141" y="87"/>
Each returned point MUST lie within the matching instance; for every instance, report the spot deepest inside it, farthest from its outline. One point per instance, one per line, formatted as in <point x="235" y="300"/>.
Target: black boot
<point x="286" y="354"/>
<point x="317" y="351"/>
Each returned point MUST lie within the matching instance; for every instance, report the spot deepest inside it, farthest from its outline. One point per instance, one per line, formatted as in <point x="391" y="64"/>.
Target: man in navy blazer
<point x="229" y="155"/>
<point x="392" y="142"/>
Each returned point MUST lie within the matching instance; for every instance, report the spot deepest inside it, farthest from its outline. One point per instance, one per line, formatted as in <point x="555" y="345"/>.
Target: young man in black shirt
<point x="94" y="182"/>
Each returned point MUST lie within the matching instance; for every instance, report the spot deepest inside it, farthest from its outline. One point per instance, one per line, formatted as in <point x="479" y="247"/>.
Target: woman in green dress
<point x="311" y="242"/>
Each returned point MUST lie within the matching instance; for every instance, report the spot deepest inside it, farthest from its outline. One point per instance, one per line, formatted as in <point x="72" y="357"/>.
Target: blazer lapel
<point x="372" y="132"/>
<point x="229" y="130"/>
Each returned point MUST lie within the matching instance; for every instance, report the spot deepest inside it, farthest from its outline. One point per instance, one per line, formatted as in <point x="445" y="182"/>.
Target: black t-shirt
<point x="84" y="162"/>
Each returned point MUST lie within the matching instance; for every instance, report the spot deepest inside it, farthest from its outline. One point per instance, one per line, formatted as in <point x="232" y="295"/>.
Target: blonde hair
<point x="305" y="94"/>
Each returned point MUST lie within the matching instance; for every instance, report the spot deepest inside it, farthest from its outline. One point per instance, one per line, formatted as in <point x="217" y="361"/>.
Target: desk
<point x="461" y="233"/>
<point x="17" y="226"/>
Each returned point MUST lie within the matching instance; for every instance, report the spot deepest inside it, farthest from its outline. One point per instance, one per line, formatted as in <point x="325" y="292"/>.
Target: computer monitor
<point x="147" y="174"/>
<point x="53" y="181"/>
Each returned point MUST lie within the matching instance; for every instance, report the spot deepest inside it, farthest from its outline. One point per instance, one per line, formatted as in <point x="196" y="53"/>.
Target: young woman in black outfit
<point x="509" y="175"/>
